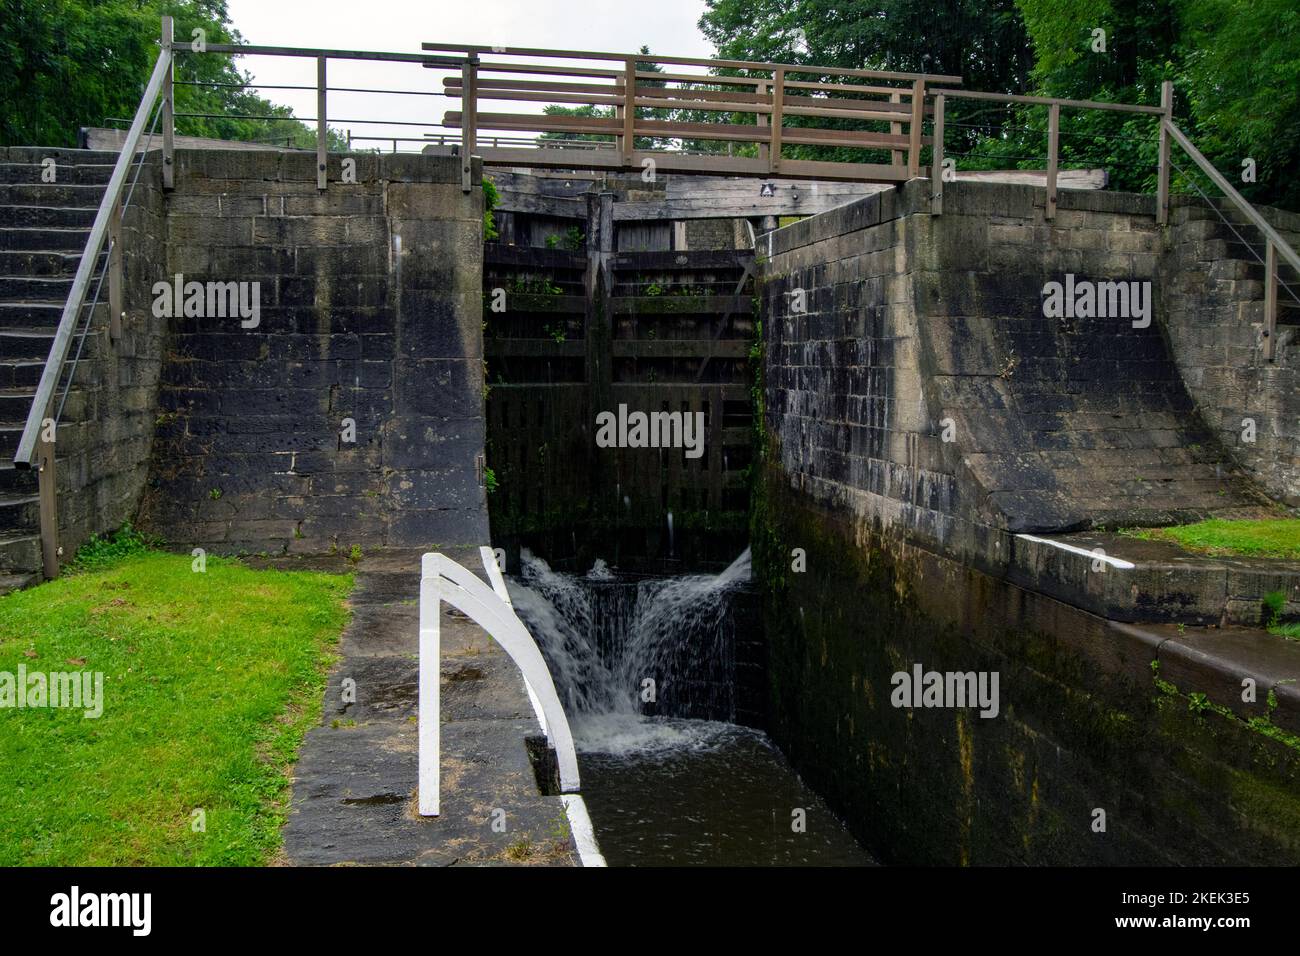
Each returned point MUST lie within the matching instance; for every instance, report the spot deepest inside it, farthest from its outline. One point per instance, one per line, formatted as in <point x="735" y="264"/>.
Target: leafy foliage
<point x="605" y="112"/>
<point x="102" y="551"/>
<point x="1235" y="66"/>
<point x="983" y="41"/>
<point x="490" y="199"/>
<point x="65" y="64"/>
<point x="1236" y="73"/>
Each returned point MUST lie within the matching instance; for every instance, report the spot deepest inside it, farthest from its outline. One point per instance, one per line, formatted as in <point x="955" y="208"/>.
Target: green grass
<point x="1276" y="538"/>
<point x="210" y="681"/>
<point x="1274" y="606"/>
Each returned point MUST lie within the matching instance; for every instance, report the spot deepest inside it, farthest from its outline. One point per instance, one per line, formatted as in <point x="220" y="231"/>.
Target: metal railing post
<point x="1053" y="156"/>
<point x="1162" y="187"/>
<point x="44" y="402"/>
<point x="321" y="125"/>
<point x="168" y="108"/>
<point x="918" y="117"/>
<point x="468" y="124"/>
<point x="45" y="481"/>
<point x="936" y="174"/>
<point x="774" y="136"/>
<point x="1270" y="300"/>
<point x="115" y="273"/>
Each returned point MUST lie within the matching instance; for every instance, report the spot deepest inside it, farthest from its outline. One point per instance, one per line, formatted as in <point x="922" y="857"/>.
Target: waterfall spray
<point x="605" y="638"/>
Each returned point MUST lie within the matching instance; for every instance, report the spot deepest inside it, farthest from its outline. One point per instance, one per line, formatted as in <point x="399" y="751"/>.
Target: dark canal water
<point x="670" y="790"/>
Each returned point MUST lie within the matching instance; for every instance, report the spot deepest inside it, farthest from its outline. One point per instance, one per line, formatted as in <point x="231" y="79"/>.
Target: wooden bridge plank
<point x="667" y="162"/>
<point x="680" y="259"/>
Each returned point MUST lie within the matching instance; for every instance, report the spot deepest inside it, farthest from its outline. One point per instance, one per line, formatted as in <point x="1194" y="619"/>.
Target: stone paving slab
<point x="354" y="791"/>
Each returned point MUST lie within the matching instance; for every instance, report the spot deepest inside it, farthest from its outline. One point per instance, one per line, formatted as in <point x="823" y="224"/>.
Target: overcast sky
<point x="666" y="26"/>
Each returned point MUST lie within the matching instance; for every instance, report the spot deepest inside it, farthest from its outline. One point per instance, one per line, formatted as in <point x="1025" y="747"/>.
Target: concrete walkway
<point x="354" y="785"/>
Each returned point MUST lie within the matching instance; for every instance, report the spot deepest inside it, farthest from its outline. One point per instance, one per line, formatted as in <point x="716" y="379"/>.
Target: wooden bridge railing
<point x="870" y="110"/>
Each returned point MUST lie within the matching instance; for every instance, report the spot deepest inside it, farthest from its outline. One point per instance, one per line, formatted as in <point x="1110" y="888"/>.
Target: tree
<point x="1239" y="76"/>
<point x="983" y="41"/>
<point x="65" y="64"/>
<point x="606" y="112"/>
<point x="1236" y="72"/>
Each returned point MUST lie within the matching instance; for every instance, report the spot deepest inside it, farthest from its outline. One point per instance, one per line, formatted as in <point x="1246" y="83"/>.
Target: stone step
<point x="51" y="194"/>
<point x="35" y="289"/>
<point x="10" y="433"/>
<point x="20" y="374"/>
<point x="63" y="155"/>
<point x="85" y="174"/>
<point x="16" y="481"/>
<point x="40" y="263"/>
<point x="57" y="216"/>
<point x="28" y="345"/>
<point x="20" y="552"/>
<point x="1243" y="239"/>
<point x="17" y="582"/>
<point x="44" y="315"/>
<point x="19" y="513"/>
<point x="14" y="405"/>
<point x="72" y="240"/>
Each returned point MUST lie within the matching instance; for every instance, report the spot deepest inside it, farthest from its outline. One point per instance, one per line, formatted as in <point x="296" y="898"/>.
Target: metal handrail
<point x="113" y="243"/>
<point x="1274" y="244"/>
<point x="1232" y="226"/>
<point x="27" y="452"/>
<point x="1247" y="210"/>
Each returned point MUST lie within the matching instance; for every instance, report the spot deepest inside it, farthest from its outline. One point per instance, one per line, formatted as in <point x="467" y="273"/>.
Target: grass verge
<point x="1272" y="538"/>
<point x="210" y="681"/>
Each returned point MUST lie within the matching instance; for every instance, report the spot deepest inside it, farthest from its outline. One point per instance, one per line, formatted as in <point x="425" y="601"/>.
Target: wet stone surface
<point x="354" y="792"/>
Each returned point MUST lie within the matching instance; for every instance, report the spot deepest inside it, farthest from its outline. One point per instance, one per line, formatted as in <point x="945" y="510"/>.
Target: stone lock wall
<point x="1092" y="715"/>
<point x="913" y="376"/>
<point x="370" y="319"/>
<point x="921" y="413"/>
<point x="107" y="427"/>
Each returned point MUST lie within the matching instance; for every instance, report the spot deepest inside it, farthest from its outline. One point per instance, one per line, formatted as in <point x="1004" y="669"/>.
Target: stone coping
<point x="1162" y="584"/>
<point x="1219" y="663"/>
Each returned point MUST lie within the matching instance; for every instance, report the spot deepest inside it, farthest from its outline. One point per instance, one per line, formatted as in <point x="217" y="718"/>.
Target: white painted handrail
<point x="499" y="586"/>
<point x="442" y="579"/>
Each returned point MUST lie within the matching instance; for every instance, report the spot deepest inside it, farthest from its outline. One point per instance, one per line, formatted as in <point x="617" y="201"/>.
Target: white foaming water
<point x="675" y="625"/>
<point x="600" y="572"/>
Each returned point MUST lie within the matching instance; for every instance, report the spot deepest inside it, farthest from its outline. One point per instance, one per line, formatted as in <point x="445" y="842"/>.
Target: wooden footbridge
<point x="652" y="109"/>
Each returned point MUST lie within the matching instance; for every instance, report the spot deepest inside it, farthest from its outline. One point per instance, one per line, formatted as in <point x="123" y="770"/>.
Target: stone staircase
<point x="1239" y="246"/>
<point x="43" y="230"/>
<point x="1215" y="299"/>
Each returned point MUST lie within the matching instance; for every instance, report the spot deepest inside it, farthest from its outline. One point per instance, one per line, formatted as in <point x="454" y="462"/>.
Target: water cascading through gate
<point x="639" y="663"/>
